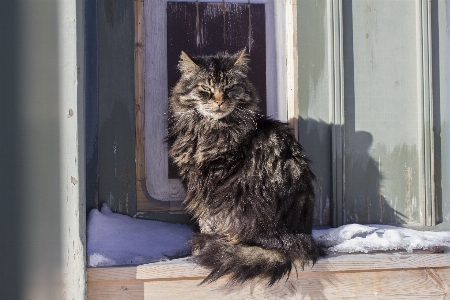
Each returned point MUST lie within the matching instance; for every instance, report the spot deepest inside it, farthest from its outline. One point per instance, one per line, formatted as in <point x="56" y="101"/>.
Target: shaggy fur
<point x="248" y="182"/>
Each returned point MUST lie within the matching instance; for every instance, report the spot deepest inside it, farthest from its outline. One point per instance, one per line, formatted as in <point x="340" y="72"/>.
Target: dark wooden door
<point x="200" y="28"/>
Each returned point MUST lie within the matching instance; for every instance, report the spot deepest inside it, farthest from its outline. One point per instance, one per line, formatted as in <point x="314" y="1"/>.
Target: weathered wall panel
<point x="314" y="93"/>
<point x="116" y="141"/>
<point x="383" y="112"/>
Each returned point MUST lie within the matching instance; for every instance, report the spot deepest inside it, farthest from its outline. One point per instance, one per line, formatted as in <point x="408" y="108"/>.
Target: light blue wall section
<point x="383" y="121"/>
<point x="387" y="165"/>
<point x="314" y="73"/>
<point x="116" y="127"/>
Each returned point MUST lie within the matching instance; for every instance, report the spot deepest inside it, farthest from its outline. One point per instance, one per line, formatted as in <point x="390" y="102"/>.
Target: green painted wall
<point x="382" y="103"/>
<point x="380" y="138"/>
<point x="314" y="92"/>
<point x="116" y="133"/>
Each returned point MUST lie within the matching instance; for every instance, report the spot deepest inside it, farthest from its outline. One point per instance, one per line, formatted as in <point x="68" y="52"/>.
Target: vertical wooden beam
<point x="276" y="59"/>
<point x="116" y="144"/>
<point x="91" y="104"/>
<point x="292" y="65"/>
<point x="426" y="87"/>
<point x="441" y="96"/>
<point x="73" y="163"/>
<point x="338" y="114"/>
<point x="139" y="97"/>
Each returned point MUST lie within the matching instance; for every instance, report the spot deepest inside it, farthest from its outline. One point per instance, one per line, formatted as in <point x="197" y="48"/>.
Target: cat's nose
<point x="218" y="98"/>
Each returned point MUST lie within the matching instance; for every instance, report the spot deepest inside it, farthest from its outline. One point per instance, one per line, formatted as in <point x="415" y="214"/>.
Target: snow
<point x="366" y="238"/>
<point x="115" y="239"/>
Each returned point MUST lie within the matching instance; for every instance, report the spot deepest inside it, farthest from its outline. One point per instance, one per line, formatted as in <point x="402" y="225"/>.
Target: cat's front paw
<point x="199" y="241"/>
<point x="196" y="250"/>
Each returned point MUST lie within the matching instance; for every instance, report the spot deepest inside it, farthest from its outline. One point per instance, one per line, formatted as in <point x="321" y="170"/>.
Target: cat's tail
<point x="269" y="259"/>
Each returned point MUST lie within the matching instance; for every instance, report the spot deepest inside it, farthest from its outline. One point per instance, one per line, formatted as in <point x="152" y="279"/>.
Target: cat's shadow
<point x="363" y="203"/>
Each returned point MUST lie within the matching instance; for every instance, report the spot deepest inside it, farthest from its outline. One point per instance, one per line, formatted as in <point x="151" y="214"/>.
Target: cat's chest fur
<point x="213" y="146"/>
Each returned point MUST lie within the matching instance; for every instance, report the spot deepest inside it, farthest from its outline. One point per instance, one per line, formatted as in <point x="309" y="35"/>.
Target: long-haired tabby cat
<point x="248" y="182"/>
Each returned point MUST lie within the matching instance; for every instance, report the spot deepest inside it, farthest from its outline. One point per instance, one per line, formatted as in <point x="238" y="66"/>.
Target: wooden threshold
<point x="398" y="275"/>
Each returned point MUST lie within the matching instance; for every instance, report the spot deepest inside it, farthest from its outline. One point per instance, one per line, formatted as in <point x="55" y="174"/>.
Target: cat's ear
<point x="242" y="60"/>
<point x="186" y="65"/>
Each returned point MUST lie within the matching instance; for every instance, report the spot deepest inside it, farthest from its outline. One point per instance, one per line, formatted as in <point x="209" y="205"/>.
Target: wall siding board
<point x="314" y="92"/>
<point x="380" y="128"/>
<point x="116" y="141"/>
<point x="383" y="112"/>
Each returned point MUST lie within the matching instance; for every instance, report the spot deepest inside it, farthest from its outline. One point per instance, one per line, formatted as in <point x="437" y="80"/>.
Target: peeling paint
<point x="325" y="217"/>
<point x="73" y="180"/>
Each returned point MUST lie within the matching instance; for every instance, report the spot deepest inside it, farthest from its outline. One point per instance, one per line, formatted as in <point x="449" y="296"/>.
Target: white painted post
<point x="72" y="147"/>
<point x="292" y="66"/>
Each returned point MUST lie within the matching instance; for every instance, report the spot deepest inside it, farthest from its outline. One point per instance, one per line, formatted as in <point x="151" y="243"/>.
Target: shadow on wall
<point x="361" y="176"/>
<point x="363" y="202"/>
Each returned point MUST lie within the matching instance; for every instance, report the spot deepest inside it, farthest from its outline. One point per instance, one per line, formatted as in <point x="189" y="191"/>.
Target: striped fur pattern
<point x="249" y="185"/>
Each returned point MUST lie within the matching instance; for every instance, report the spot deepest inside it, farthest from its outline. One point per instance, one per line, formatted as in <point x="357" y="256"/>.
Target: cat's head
<point x="215" y="85"/>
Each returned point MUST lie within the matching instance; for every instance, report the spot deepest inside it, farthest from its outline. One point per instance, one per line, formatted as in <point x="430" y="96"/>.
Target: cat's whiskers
<point x="240" y="117"/>
<point x="188" y="112"/>
<point x="254" y="115"/>
<point x="249" y="111"/>
<point x="242" y="114"/>
<point x="245" y="117"/>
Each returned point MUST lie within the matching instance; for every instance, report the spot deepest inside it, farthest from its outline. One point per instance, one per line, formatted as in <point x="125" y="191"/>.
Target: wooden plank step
<point x="356" y="276"/>
<point x="182" y="268"/>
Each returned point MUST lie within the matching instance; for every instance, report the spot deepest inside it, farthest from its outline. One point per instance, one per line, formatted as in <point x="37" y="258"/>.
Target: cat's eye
<point x="231" y="88"/>
<point x="205" y="88"/>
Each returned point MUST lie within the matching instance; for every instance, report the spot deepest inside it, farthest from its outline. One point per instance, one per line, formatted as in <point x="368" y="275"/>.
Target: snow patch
<point x="366" y="238"/>
<point x="114" y="239"/>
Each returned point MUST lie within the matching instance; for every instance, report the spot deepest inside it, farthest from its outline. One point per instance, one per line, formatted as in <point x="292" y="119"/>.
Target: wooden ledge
<point x="398" y="275"/>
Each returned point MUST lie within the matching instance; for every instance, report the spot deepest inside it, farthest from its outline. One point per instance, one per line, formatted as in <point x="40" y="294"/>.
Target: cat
<point x="249" y="185"/>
